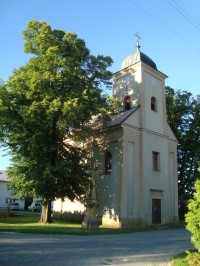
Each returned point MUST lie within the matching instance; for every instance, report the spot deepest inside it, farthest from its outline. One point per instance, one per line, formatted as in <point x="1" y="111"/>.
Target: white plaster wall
<point x="130" y="179"/>
<point x="4" y="193"/>
<point x="131" y="174"/>
<point x="125" y="82"/>
<point x="173" y="178"/>
<point x="150" y="143"/>
<point x="154" y="119"/>
<point x="67" y="206"/>
<point x="134" y="120"/>
<point x="109" y="185"/>
<point x="163" y="180"/>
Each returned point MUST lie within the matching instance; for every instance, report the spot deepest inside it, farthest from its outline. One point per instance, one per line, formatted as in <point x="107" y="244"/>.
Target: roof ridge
<point x="120" y="118"/>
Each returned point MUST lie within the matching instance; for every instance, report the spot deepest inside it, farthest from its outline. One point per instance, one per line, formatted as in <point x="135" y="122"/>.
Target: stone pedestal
<point x="91" y="221"/>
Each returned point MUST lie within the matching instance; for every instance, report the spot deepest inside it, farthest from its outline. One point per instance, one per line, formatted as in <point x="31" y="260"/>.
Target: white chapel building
<point x="135" y="156"/>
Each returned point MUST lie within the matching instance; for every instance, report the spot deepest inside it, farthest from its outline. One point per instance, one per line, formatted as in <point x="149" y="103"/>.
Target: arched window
<point x="108" y="163"/>
<point x="127" y="103"/>
<point x="153" y="104"/>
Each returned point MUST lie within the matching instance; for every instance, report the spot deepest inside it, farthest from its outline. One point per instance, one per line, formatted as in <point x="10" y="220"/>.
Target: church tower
<point x="139" y="82"/>
<point x="141" y="185"/>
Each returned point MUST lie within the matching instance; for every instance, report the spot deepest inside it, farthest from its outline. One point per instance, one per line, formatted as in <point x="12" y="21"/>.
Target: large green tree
<point x="183" y="115"/>
<point x="45" y="106"/>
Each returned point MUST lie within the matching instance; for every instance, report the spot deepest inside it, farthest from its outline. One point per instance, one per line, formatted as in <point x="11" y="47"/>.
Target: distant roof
<point x="3" y="176"/>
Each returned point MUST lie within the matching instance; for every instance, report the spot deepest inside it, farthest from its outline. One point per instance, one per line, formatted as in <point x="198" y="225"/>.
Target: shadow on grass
<point x="28" y="222"/>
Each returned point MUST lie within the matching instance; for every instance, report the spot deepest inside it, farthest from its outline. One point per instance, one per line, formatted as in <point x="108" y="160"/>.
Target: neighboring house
<point x="135" y="156"/>
<point x="6" y="195"/>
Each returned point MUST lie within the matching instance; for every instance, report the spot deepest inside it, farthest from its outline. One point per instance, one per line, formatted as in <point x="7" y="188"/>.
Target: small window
<point x="156" y="160"/>
<point x="8" y="200"/>
<point x="108" y="163"/>
<point x="127" y="103"/>
<point x="153" y="104"/>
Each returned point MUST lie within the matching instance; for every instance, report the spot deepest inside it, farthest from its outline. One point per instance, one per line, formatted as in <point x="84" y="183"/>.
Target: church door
<point x="156" y="211"/>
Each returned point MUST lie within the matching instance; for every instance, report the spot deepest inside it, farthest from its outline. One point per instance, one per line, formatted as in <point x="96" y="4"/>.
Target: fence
<point x="4" y="212"/>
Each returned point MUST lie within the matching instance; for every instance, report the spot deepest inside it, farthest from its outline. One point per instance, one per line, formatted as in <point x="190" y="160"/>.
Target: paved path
<point x="142" y="248"/>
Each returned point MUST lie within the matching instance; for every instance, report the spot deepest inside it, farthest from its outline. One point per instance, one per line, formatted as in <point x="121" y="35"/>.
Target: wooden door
<point x="156" y="211"/>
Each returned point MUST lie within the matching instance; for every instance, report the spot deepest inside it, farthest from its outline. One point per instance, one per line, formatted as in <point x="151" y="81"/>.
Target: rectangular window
<point x="156" y="160"/>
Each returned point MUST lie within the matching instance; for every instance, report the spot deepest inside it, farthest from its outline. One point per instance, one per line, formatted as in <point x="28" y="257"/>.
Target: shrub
<point x="193" y="216"/>
<point x="193" y="258"/>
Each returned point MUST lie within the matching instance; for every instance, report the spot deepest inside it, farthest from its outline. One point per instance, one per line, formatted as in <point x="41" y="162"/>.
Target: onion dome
<point x="136" y="57"/>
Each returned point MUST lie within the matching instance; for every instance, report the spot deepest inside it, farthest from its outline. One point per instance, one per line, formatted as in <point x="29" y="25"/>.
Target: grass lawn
<point x="28" y="222"/>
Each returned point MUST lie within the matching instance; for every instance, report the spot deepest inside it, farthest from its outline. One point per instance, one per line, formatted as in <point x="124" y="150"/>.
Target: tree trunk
<point x="46" y="213"/>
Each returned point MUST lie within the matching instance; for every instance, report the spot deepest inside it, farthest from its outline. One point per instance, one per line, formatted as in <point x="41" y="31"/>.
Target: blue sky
<point x="169" y="30"/>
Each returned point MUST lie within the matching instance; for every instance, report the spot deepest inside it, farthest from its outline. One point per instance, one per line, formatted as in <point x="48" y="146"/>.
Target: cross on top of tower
<point x="138" y="38"/>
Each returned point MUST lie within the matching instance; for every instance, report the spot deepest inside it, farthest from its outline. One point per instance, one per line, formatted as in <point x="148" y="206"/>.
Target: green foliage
<point x="193" y="216"/>
<point x="180" y="260"/>
<point x="183" y="116"/>
<point x="188" y="258"/>
<point x="193" y="258"/>
<point x="46" y="102"/>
